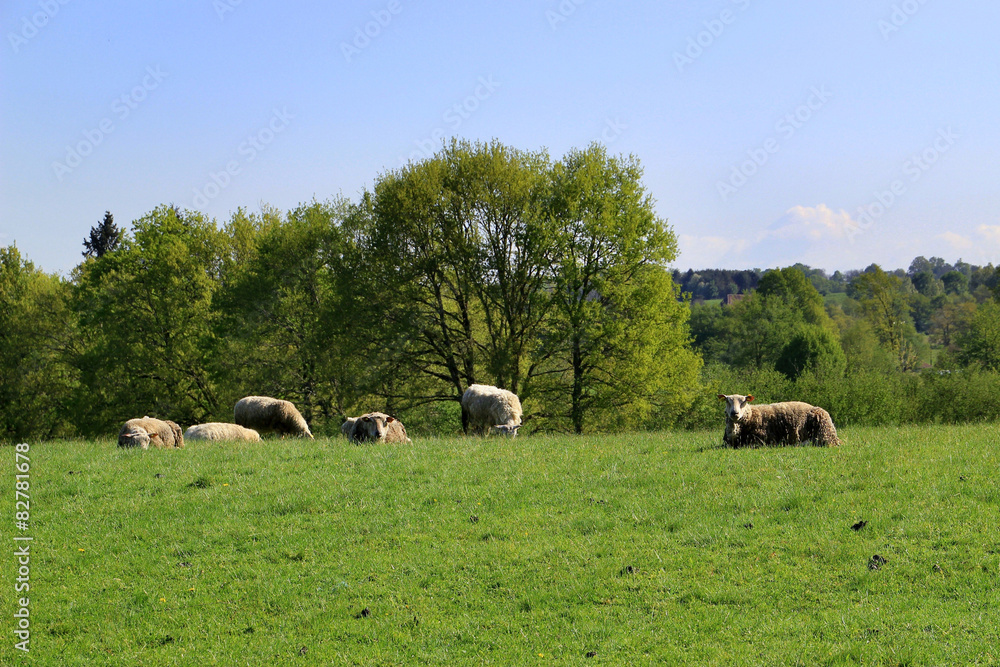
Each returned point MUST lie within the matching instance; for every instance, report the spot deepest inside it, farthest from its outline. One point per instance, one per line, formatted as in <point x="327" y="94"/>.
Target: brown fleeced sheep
<point x="375" y="427"/>
<point x="788" y="423"/>
<point x="146" y="431"/>
<point x="485" y="407"/>
<point x="270" y="415"/>
<point x="221" y="431"/>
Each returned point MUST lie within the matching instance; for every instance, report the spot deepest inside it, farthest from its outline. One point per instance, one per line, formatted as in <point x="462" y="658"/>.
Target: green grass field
<point x="633" y="549"/>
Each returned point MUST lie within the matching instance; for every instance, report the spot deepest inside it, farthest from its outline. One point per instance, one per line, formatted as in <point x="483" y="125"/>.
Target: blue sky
<point x="835" y="134"/>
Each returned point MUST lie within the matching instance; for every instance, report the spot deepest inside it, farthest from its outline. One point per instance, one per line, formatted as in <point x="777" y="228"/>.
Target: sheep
<point x="375" y="426"/>
<point x="146" y="431"/>
<point x="270" y="415"/>
<point x="221" y="431"/>
<point x="786" y="423"/>
<point x="485" y="407"/>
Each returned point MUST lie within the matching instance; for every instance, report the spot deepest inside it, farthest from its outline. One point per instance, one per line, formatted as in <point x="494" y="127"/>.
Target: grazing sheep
<point x="375" y="426"/>
<point x="485" y="407"/>
<point x="270" y="415"/>
<point x="150" y="431"/>
<point x="221" y="431"/>
<point x="776" y="424"/>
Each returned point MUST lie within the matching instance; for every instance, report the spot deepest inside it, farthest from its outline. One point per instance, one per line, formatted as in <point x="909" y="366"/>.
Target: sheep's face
<point x="137" y="438"/>
<point x="375" y="426"/>
<point x="737" y="406"/>
<point x="507" y="429"/>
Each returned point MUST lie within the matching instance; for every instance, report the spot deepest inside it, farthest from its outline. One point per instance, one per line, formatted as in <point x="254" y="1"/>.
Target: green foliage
<point x="104" y="238"/>
<point x="814" y="349"/>
<point x="796" y="293"/>
<point x="286" y="313"/>
<point x="617" y="335"/>
<point x="654" y="548"/>
<point x="37" y="337"/>
<point x="980" y="343"/>
<point x="883" y="303"/>
<point x="147" y="311"/>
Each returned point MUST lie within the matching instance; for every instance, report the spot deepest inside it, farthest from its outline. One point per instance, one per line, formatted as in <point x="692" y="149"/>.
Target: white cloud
<point x="956" y="241"/>
<point x="801" y="234"/>
<point x="815" y="223"/>
<point x="991" y="233"/>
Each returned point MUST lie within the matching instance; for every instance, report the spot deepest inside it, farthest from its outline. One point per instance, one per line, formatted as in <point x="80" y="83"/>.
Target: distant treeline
<point x="707" y="284"/>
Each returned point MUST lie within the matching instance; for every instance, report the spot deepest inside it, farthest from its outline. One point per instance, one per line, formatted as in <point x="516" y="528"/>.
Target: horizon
<point x="832" y="136"/>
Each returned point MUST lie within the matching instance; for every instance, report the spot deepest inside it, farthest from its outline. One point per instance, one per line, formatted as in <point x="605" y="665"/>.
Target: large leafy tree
<point x="147" y="312"/>
<point x="456" y="249"/>
<point x="37" y="333"/>
<point x="883" y="303"/>
<point x="618" y="332"/>
<point x="285" y="323"/>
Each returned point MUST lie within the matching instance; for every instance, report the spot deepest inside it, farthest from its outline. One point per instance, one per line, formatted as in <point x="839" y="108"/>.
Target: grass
<point x="630" y="549"/>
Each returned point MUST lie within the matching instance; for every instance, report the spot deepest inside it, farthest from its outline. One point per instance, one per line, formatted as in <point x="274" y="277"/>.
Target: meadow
<point x="643" y="548"/>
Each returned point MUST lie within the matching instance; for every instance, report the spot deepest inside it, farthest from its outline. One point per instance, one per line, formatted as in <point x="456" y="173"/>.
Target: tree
<point x="980" y="344"/>
<point x="618" y="333"/>
<point x="37" y="331"/>
<point x="456" y="252"/>
<point x="284" y="324"/>
<point x="882" y="302"/>
<point x="104" y="238"/>
<point x="813" y="349"/>
<point x="791" y="287"/>
<point x="955" y="282"/>
<point x="147" y="311"/>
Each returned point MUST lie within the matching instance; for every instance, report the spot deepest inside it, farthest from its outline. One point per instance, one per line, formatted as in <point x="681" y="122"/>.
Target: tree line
<point x="482" y="263"/>
<point x="873" y="346"/>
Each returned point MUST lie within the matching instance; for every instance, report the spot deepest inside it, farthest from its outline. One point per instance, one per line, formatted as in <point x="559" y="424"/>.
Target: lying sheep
<point x="270" y="415"/>
<point x="221" y="431"/>
<point x="375" y="426"/>
<point x="485" y="407"/>
<point x="150" y="431"/>
<point x="776" y="424"/>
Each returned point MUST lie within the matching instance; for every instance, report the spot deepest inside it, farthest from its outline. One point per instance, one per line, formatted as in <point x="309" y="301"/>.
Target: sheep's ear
<point x="722" y="397"/>
<point x="390" y="420"/>
<point x="749" y="399"/>
<point x="366" y="419"/>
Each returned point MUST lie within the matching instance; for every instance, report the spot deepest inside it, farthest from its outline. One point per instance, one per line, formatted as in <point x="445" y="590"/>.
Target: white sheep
<point x="375" y="426"/>
<point x="146" y="431"/>
<point x="786" y="423"/>
<point x="270" y="415"/>
<point x="221" y="431"/>
<point x="485" y="407"/>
